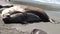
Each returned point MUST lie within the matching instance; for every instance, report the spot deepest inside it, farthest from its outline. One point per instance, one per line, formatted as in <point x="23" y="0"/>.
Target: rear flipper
<point x="53" y="21"/>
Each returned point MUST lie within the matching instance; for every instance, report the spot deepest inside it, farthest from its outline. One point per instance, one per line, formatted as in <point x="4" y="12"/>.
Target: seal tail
<point x="52" y="21"/>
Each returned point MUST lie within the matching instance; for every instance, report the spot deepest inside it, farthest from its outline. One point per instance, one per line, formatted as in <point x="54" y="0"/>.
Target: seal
<point x="28" y="13"/>
<point x="39" y="12"/>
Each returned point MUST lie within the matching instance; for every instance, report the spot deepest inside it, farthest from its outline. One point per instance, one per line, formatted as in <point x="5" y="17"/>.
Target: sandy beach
<point x="27" y="28"/>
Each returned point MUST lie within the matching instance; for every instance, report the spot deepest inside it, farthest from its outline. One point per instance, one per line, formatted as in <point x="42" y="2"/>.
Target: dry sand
<point x="26" y="29"/>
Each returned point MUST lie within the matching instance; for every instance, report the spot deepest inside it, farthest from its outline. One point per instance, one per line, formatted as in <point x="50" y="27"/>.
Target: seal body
<point x="24" y="14"/>
<point x="21" y="18"/>
<point x="37" y="11"/>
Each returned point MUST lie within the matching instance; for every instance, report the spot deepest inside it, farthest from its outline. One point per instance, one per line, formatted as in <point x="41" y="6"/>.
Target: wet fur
<point x="26" y="12"/>
<point x="22" y="18"/>
<point x="39" y="12"/>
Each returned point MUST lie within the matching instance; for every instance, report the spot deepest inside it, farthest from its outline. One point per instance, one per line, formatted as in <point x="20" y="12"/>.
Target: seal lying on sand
<point x="38" y="31"/>
<point x="21" y="18"/>
<point x="25" y="11"/>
